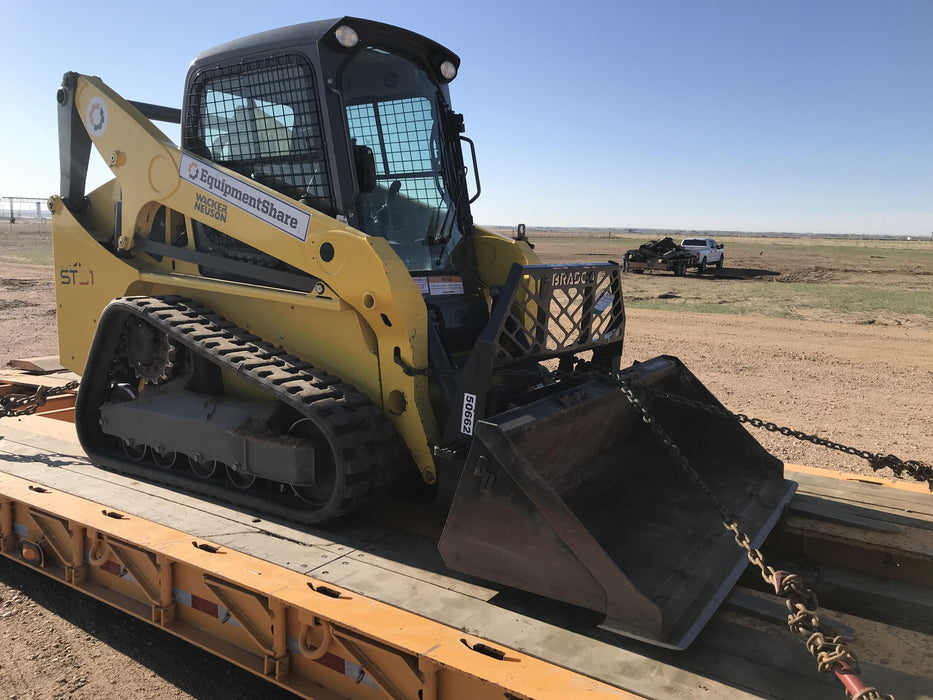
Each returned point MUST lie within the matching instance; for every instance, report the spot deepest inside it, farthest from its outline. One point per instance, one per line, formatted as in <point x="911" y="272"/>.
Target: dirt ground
<point x="56" y="643"/>
<point x="856" y="377"/>
<point x="27" y="312"/>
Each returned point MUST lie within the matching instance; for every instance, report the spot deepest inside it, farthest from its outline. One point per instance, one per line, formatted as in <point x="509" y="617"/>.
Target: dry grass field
<point x="847" y="281"/>
<point x="833" y="337"/>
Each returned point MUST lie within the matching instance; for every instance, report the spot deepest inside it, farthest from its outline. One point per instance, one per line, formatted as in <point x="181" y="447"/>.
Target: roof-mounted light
<point x="448" y="70"/>
<point x="346" y="36"/>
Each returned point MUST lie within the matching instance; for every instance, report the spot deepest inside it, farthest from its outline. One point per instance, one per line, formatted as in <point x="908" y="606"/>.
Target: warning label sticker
<point x="445" y="285"/>
<point x="422" y="283"/>
<point x="604" y="302"/>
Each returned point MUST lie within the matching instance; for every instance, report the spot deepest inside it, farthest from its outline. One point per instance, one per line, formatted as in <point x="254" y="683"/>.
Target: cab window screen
<point x="393" y="107"/>
<point x="399" y="132"/>
<point x="261" y="119"/>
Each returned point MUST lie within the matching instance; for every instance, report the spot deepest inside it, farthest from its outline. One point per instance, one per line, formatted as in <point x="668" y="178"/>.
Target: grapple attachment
<point x="572" y="497"/>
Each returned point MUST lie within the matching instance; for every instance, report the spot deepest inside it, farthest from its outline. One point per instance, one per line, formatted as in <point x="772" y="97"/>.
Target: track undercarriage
<point x="179" y="395"/>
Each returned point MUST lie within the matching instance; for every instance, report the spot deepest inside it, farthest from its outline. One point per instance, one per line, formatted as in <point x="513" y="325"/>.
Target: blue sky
<point x="702" y="114"/>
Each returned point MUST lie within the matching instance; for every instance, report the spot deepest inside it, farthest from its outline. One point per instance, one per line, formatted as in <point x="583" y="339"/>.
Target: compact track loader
<point x="294" y="312"/>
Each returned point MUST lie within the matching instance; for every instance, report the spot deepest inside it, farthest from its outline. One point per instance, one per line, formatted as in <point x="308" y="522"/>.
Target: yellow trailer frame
<point x="315" y="639"/>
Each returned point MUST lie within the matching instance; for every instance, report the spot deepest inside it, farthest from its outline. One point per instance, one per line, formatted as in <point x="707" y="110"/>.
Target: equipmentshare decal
<point x="265" y="207"/>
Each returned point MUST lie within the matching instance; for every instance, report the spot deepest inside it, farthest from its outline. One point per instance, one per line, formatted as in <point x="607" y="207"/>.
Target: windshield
<point x="394" y="109"/>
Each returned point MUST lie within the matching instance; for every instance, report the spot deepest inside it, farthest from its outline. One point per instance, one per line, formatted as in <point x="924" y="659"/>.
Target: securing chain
<point x="826" y="646"/>
<point x="917" y="470"/>
<point x="25" y="405"/>
<point x="914" y="468"/>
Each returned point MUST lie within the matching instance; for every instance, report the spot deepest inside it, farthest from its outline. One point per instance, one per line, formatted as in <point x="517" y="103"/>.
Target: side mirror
<point x="520" y="235"/>
<point x="719" y="246"/>
<point x="365" y="168"/>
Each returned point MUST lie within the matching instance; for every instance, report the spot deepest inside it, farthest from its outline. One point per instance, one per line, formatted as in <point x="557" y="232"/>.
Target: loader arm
<point x="348" y="269"/>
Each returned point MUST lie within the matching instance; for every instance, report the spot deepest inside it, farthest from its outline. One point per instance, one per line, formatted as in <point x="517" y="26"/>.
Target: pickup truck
<point x="706" y="252"/>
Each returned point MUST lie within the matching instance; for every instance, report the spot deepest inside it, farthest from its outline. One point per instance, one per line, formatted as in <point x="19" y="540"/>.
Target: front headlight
<point x="448" y="70"/>
<point x="346" y="36"/>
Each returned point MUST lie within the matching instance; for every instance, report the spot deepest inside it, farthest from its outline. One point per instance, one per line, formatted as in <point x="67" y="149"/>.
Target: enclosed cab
<point x="350" y="117"/>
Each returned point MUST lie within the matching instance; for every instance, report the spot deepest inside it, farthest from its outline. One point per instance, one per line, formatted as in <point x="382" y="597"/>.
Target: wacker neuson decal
<point x="223" y="188"/>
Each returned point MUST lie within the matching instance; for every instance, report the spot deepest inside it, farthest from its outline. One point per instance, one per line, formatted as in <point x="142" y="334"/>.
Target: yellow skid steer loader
<point x="294" y="312"/>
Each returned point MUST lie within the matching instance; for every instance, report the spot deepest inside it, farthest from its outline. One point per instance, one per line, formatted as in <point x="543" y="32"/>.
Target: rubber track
<point x="364" y="437"/>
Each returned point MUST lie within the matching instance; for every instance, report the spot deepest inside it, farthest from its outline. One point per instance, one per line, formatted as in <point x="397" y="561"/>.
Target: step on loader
<point x="294" y="312"/>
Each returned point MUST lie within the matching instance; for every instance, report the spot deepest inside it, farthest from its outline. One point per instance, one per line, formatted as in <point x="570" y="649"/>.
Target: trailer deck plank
<point x="907" y="497"/>
<point x="736" y="656"/>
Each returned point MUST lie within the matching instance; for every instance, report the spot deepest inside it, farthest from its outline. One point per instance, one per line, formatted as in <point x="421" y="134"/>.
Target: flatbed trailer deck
<point x="367" y="609"/>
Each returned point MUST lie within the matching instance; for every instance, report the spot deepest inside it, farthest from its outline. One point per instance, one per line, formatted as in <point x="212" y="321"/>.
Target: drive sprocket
<point x="150" y="352"/>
